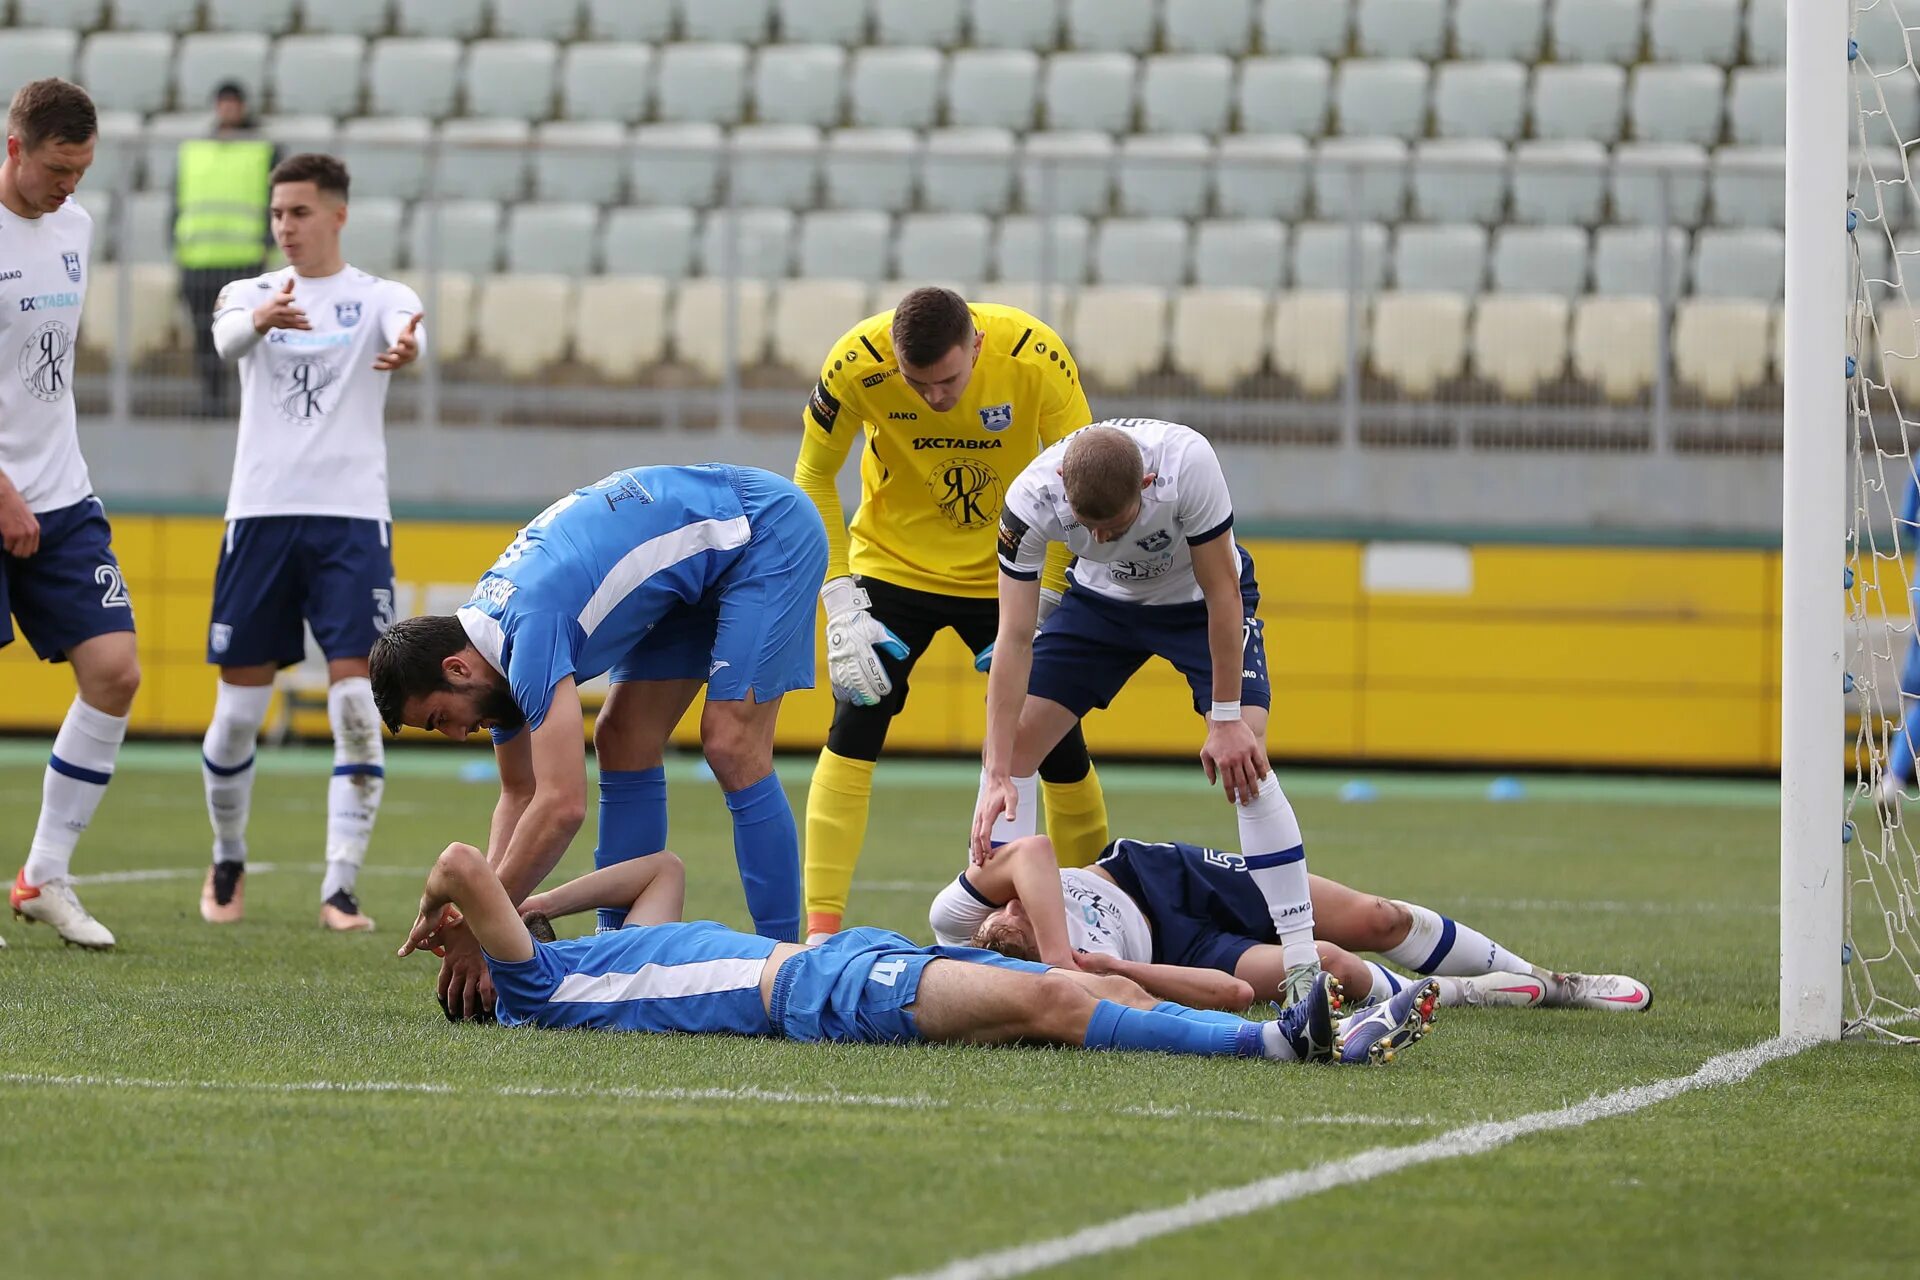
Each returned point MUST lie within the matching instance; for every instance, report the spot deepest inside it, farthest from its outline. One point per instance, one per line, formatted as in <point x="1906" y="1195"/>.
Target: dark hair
<point x="230" y="89"/>
<point x="323" y="171"/>
<point x="405" y="662"/>
<point x="928" y="323"/>
<point x="539" y="926"/>
<point x="51" y="109"/>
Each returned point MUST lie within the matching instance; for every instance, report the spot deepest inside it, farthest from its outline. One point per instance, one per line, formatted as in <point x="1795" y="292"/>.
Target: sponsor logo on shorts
<point x="71" y="261"/>
<point x="219" y="636"/>
<point x="967" y="491"/>
<point x="718" y="663"/>
<point x="43" y="361"/>
<point x="347" y="313"/>
<point x="997" y="417"/>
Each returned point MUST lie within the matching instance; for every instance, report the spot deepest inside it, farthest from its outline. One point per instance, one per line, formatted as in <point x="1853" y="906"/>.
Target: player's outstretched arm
<point x="462" y="890"/>
<point x="514" y="758"/>
<point x="653" y="889"/>
<point x="1006" y="692"/>
<point x="1232" y="753"/>
<point x="1027" y="869"/>
<point x="1195" y="988"/>
<point x="557" y="750"/>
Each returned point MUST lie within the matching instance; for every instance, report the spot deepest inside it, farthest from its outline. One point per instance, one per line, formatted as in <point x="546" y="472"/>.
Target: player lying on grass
<point x="861" y="985"/>
<point x="1177" y="917"/>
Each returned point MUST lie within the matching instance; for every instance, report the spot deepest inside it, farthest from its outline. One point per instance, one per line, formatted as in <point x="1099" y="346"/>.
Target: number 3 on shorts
<point x="887" y="972"/>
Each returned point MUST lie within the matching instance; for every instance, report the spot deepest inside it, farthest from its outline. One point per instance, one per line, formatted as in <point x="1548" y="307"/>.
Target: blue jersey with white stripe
<point x="699" y="977"/>
<point x="591" y="575"/>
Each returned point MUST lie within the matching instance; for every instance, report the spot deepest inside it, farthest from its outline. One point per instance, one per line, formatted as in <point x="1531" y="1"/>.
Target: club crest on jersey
<point x="347" y="313"/>
<point x="1156" y="541"/>
<point x="71" y="261"/>
<point x="968" y="492"/>
<point x="997" y="417"/>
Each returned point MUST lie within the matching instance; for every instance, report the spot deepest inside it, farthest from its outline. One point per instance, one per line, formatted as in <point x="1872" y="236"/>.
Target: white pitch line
<point x="1375" y="1162"/>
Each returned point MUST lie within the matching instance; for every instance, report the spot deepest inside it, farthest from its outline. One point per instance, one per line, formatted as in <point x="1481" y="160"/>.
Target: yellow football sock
<point x="836" y="827"/>
<point x="1076" y="819"/>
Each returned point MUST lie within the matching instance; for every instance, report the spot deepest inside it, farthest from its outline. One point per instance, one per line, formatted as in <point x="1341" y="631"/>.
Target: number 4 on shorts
<point x="887" y="972"/>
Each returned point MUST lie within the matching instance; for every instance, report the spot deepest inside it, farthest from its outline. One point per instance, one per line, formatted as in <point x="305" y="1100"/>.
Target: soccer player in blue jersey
<point x="667" y="579"/>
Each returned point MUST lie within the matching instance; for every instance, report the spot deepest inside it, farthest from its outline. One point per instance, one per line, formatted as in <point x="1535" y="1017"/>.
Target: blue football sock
<point x="1214" y="1016"/>
<point x="1117" y="1027"/>
<point x="766" y="846"/>
<point x="633" y="823"/>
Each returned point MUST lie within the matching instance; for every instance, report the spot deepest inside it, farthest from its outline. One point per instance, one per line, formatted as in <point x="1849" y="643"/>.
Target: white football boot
<point x="1493" y="991"/>
<point x="55" y="903"/>
<point x="1614" y="992"/>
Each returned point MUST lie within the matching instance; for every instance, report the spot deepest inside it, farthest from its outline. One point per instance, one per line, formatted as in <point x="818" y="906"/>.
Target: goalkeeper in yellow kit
<point x="949" y="402"/>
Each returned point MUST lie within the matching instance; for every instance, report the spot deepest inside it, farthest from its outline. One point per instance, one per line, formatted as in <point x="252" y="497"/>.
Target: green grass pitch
<point x="269" y="1100"/>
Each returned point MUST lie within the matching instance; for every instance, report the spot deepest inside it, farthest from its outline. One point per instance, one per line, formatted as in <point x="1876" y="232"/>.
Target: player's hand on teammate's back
<point x="405" y="349"/>
<point x="1235" y="758"/>
<point x="465" y="988"/>
<point x="19" y="527"/>
<point x="280" y="312"/>
<point x="997" y="796"/>
<point x="855" y="644"/>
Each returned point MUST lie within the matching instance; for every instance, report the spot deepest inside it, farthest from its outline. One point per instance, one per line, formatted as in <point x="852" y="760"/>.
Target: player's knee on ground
<point x="1117" y="988"/>
<point x="1056" y="1008"/>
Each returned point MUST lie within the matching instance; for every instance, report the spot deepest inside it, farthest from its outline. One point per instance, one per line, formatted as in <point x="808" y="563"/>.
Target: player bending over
<point x="1175" y="917"/>
<point x="867" y="986"/>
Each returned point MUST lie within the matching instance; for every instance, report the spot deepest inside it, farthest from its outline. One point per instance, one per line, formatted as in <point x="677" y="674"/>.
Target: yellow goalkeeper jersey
<point x="931" y="484"/>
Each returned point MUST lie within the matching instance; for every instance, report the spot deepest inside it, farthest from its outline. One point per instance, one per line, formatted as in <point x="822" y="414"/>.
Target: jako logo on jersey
<point x="71" y="261"/>
<point x="954" y="442"/>
<point x="48" y="301"/>
<point x="997" y="417"/>
<point x="9" y="275"/>
<point x="902" y="415"/>
<point x="1153" y="542"/>
<point x="347" y="313"/>
<point x="966" y="491"/>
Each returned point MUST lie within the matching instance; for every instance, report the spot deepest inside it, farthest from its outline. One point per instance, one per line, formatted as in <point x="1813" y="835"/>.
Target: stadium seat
<point x="676" y="164"/>
<point x="1694" y="30"/>
<point x="117" y="155"/>
<point x="934" y="23"/>
<point x="1219" y="337"/>
<point x="1479" y="100"/>
<point x="1144" y="251"/>
<point x="127" y="70"/>
<point x="1579" y="100"/>
<point x="1757" y="106"/>
<point x="151" y="315"/>
<point x="1596" y="30"/>
<point x="1285" y="95"/>
<point x="318" y="75"/>
<point x="1450" y="258"/>
<point x="1459" y="180"/>
<point x="1559" y="182"/>
<point x="1240" y="253"/>
<point x="1642" y="169"/>
<point x="1720" y="347"/>
<point x="700" y="317"/>
<point x="946" y="245"/>
<point x="1750" y="187"/>
<point x="173" y="16"/>
<point x="345" y="17"/>
<point x="777" y="165"/>
<point x="1208" y="26"/>
<point x="993" y="88"/>
<point x="101" y="207"/>
<point x="34" y="54"/>
<point x="871" y="168"/>
<point x="1112" y="26"/>
<point x="896" y="88"/>
<point x="579" y="160"/>
<point x="294" y="134"/>
<point x="209" y="60"/>
<point x="454" y="235"/>
<point x="1748" y="263"/>
<point x="1889" y="110"/>
<point x="504" y="338"/>
<point x="1310" y="338"/>
<point x="1261" y="176"/>
<point x="1360" y="178"/>
<point x="1014" y="24"/>
<point x="1029" y="249"/>
<point x="842" y="22"/>
<point x="453" y="19"/>
<point x="1519" y="342"/>
<point x="1893" y="339"/>
<point x="1540" y="260"/>
<point x="762" y="242"/>
<point x="1401" y="28"/>
<point x="511" y="78"/>
<point x="413" y="75"/>
<point x="484" y="159"/>
<point x="1419" y="340"/>
<point x="1067" y="172"/>
<point x="384" y="154"/>
<point x="701" y="82"/>
<point x="1164" y="174"/>
<point x="606" y="82"/>
<point x="655" y="242"/>
<point x="804" y="310"/>
<point x="1091" y="91"/>
<point x="1119" y="333"/>
<point x="1767" y="32"/>
<point x="968" y="171"/>
<point x="164" y="134"/>
<point x="644" y="20"/>
<point x="1186" y="93"/>
<point x="1680" y="103"/>
<point x="620" y="325"/>
<point x="1323" y="256"/>
<point x="447" y="297"/>
<point x="1499" y="29"/>
<point x="64" y="15"/>
<point x="552" y="238"/>
<point x="557" y="20"/>
<point x="1381" y="97"/>
<point x="372" y="237"/>
<point x="1626" y="261"/>
<point x="736" y="21"/>
<point x="1317" y="27"/>
<point x="1055" y="302"/>
<point x="1615" y="345"/>
<point x="799" y="84"/>
<point x="147" y="227"/>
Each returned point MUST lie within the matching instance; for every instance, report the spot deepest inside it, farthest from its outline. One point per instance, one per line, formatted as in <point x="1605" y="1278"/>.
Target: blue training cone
<point x="1358" y="791"/>
<point x="478" y="771"/>
<point x="1504" y="789"/>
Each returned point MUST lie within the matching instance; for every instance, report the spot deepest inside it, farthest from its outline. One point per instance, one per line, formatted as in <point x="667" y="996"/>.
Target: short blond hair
<point x="1002" y="933"/>
<point x="1102" y="472"/>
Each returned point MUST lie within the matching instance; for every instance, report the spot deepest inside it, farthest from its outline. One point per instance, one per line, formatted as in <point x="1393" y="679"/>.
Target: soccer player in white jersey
<point x="58" y="575"/>
<point x="1144" y="507"/>
<point x="309" y="533"/>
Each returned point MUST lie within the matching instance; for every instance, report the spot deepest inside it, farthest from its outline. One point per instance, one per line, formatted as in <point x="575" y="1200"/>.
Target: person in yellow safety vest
<point x="220" y="230"/>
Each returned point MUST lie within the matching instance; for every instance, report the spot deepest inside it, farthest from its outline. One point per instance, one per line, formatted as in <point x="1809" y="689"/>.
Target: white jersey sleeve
<point x="44" y="273"/>
<point x="957" y="912"/>
<point x="1203" y="503"/>
<point x="1030" y="518"/>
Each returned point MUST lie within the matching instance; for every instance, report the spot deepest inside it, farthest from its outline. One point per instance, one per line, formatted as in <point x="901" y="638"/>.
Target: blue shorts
<point x="1092" y="645"/>
<point x="1204" y="908"/>
<point x="855" y="987"/>
<point x="755" y="628"/>
<point x="280" y="574"/>
<point x="69" y="590"/>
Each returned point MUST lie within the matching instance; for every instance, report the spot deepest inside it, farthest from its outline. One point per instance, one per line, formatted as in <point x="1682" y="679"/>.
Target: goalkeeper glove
<point x="1049" y="601"/>
<point x="855" y="643"/>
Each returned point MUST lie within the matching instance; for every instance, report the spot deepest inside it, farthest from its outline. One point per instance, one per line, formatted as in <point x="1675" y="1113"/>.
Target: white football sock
<point x="359" y="778"/>
<point x="76" y="780"/>
<point x="226" y="764"/>
<point x="1438" y="945"/>
<point x="1386" y="985"/>
<point x="1027" y="821"/>
<point x="1277" y="861"/>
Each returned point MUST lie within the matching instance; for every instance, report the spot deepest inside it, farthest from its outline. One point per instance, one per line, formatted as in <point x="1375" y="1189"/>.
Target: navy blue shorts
<point x="1092" y="645"/>
<point x="69" y="590"/>
<point x="1204" y="908"/>
<point x="856" y="986"/>
<point x="280" y="574"/>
